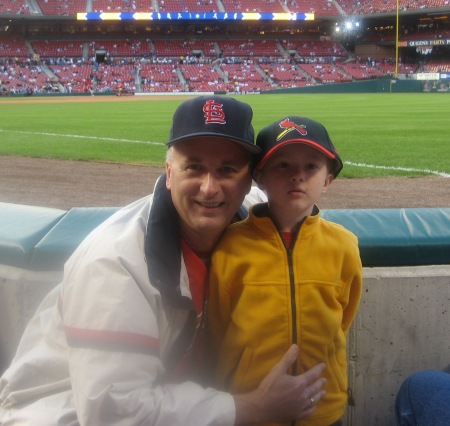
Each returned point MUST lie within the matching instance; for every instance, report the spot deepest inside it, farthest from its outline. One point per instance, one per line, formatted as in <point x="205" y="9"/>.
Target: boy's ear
<point x="328" y="181"/>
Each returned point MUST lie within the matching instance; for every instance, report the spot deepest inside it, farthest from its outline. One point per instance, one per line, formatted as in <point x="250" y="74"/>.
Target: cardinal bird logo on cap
<point x="289" y="126"/>
<point x="214" y="112"/>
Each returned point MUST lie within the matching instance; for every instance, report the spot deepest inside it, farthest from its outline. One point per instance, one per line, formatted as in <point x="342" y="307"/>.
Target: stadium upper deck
<point x="318" y="7"/>
<point x="44" y="48"/>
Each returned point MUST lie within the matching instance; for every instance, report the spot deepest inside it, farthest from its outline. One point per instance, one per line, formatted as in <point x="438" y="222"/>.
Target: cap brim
<point x="311" y="143"/>
<point x="249" y="147"/>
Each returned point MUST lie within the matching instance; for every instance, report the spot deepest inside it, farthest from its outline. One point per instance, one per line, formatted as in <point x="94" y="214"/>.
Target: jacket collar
<point x="162" y="246"/>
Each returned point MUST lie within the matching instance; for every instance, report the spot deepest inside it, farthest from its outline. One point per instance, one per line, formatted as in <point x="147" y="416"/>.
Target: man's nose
<point x="210" y="184"/>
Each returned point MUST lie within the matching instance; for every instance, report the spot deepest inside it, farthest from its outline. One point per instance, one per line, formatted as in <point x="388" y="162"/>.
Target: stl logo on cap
<point x="289" y="126"/>
<point x="214" y="112"/>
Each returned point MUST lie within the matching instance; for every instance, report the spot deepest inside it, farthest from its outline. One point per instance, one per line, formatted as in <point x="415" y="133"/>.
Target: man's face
<point x="208" y="180"/>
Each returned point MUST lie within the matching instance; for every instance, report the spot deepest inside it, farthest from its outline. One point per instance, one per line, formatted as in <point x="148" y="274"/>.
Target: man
<point x="119" y="341"/>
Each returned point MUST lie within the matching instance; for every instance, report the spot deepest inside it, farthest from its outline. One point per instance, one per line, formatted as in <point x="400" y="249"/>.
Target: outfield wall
<point x="381" y="85"/>
<point x="403" y="324"/>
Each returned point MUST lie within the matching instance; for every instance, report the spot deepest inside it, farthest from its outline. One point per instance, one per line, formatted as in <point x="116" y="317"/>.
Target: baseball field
<point x="395" y="147"/>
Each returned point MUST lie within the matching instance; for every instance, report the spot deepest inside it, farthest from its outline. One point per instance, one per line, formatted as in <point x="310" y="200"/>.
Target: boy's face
<point x="294" y="178"/>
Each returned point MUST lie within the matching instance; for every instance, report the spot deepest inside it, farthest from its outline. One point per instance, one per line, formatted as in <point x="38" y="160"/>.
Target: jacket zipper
<point x="293" y="304"/>
<point x="290" y="251"/>
<point x="293" y="310"/>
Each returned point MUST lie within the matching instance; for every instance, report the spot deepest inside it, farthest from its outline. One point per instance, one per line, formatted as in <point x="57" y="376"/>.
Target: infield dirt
<point x="66" y="184"/>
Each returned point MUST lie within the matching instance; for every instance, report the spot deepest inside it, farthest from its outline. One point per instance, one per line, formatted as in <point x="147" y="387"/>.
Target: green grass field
<point x="376" y="134"/>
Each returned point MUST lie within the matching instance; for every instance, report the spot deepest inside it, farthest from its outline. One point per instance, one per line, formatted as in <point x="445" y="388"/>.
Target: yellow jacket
<point x="264" y="297"/>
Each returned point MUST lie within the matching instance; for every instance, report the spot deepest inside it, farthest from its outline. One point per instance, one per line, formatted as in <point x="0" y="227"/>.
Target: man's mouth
<point x="210" y="204"/>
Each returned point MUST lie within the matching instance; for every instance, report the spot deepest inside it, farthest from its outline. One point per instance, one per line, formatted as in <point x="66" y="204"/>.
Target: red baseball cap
<point x="295" y="129"/>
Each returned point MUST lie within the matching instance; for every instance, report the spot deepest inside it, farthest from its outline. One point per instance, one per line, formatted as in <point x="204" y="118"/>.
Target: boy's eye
<point x="283" y="165"/>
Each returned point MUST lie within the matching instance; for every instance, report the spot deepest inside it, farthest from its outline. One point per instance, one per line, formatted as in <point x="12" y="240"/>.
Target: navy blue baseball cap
<point x="214" y="116"/>
<point x="295" y="129"/>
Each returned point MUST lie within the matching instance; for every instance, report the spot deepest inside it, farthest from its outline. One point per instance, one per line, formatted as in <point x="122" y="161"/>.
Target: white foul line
<point x="403" y="169"/>
<point x="350" y="163"/>
<point x="83" y="137"/>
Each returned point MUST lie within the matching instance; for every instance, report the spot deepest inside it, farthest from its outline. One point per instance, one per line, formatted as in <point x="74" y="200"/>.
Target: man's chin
<point x="211" y="225"/>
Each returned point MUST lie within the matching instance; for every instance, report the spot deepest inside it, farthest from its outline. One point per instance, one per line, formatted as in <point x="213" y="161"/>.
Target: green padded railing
<point x="398" y="237"/>
<point x="60" y="242"/>
<point x="39" y="238"/>
<point x="21" y="229"/>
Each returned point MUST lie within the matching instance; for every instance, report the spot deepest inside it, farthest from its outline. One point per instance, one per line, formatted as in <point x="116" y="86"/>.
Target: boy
<point x="285" y="275"/>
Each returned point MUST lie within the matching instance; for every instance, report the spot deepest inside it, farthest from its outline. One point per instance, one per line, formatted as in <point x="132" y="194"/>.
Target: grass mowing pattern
<point x="390" y="131"/>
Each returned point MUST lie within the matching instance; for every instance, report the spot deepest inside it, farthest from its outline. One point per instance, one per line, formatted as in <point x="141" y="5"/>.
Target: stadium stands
<point x="13" y="47"/>
<point x="325" y="73"/>
<point x="250" y="48"/>
<point x="285" y="75"/>
<point x="57" y="48"/>
<point x="202" y="77"/>
<point x="185" y="48"/>
<point x="245" y="77"/>
<point x="361" y="71"/>
<point x="315" y="48"/>
<point x="188" y="5"/>
<point x="196" y="57"/>
<point x="319" y="8"/>
<point x="160" y="78"/>
<point x="26" y="79"/>
<point x="74" y="78"/>
<point x="122" y="6"/>
<point x="437" y="66"/>
<point x="388" y="68"/>
<point x="115" y="78"/>
<point x="368" y="7"/>
<point x="114" y="48"/>
<point x="14" y="7"/>
<point x="61" y="7"/>
<point x="253" y="6"/>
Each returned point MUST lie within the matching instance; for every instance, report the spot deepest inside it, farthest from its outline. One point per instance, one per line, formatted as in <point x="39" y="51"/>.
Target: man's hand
<point x="281" y="397"/>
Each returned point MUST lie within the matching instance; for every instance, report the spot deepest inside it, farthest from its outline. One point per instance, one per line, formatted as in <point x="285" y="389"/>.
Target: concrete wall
<point x="21" y="291"/>
<point x="402" y="326"/>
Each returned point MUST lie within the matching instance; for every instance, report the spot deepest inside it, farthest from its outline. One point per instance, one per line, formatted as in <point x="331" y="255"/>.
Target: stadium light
<point x="349" y="27"/>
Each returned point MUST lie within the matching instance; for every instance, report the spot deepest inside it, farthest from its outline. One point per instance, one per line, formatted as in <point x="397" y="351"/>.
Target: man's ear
<point x="168" y="175"/>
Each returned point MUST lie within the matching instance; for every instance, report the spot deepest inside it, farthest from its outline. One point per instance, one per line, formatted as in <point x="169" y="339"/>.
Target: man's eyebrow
<point x="191" y="159"/>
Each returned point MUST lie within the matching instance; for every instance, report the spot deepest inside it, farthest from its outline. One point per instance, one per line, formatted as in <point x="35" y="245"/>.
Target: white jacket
<point x="97" y="348"/>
